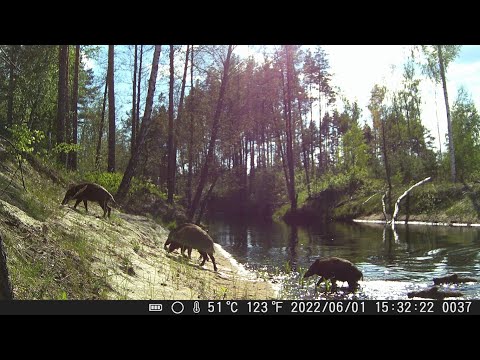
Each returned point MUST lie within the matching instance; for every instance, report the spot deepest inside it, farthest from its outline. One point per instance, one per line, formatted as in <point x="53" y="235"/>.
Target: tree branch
<point x="19" y="154"/>
<point x="397" y="204"/>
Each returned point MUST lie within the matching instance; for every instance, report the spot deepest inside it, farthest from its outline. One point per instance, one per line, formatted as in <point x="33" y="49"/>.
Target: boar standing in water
<point x="434" y="293"/>
<point x="452" y="279"/>
<point x="91" y="192"/>
<point x="334" y="268"/>
<point x="192" y="236"/>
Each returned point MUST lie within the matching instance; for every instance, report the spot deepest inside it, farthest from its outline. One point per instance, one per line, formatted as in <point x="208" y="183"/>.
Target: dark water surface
<point x="392" y="264"/>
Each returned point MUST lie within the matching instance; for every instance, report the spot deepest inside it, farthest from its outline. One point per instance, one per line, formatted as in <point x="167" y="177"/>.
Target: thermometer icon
<point x="196" y="307"/>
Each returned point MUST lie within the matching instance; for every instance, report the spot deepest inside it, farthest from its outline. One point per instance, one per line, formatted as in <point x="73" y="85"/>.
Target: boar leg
<point x="213" y="262"/>
<point x="78" y="202"/>
<point x="85" y="203"/>
<point x="334" y="284"/>
<point x="320" y="281"/>
<point x="204" y="256"/>
<point x="102" y="205"/>
<point x="352" y="285"/>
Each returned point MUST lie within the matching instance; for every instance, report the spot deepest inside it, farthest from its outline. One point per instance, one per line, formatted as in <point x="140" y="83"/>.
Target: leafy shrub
<point x="111" y="182"/>
<point x="25" y="139"/>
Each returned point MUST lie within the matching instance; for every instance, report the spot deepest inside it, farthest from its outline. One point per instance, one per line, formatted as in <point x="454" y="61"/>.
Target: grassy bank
<point x="432" y="202"/>
<point x="56" y="252"/>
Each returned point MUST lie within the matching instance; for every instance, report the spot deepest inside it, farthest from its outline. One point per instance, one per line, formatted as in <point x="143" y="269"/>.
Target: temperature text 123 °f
<point x="262" y="307"/>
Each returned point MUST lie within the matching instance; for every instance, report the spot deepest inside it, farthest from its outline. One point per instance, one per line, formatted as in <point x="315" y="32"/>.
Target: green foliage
<point x="25" y="139"/>
<point x="139" y="185"/>
<point x="466" y="137"/>
<point x="269" y="187"/>
<point x="64" y="148"/>
<point x="355" y="155"/>
<point x="111" y="182"/>
<point x="335" y="181"/>
<point x="431" y="66"/>
<point x="172" y="225"/>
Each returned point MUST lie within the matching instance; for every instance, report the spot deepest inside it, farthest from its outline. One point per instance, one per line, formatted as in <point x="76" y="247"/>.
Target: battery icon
<point x="154" y="307"/>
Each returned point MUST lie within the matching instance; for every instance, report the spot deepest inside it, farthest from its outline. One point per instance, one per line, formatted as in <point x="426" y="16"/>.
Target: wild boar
<point x="334" y="268"/>
<point x="183" y="247"/>
<point x="92" y="192"/>
<point x="452" y="279"/>
<point x="193" y="237"/>
<point x="434" y="293"/>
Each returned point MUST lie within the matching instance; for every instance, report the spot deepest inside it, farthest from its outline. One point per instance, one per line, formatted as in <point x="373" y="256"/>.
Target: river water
<point x="393" y="264"/>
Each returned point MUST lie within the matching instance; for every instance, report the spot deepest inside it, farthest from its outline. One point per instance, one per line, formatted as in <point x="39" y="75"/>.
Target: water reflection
<point x="292" y="246"/>
<point x="410" y="256"/>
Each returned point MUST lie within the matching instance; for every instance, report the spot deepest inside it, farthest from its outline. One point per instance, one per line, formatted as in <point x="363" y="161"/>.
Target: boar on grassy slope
<point x="191" y="236"/>
<point x="89" y="192"/>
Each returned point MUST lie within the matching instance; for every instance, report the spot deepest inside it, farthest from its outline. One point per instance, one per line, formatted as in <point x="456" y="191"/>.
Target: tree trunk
<point x="320" y="145"/>
<point x="132" y="163"/>
<point x="306" y="157"/>
<point x="205" y="200"/>
<point x="73" y="155"/>
<point x="213" y="138"/>
<point x="68" y="124"/>
<point x="6" y="292"/>
<point x="134" y="105"/>
<point x="280" y="149"/>
<point x="111" y="110"/>
<point x="138" y="92"/>
<point x="100" y="130"/>
<point x="449" y="120"/>
<point x="171" y="151"/>
<point x="62" y="98"/>
<point x="11" y="86"/>
<point x="179" y="117"/>
<point x="190" y="142"/>
<point x="290" y="131"/>
<point x="252" y="165"/>
<point x="387" y="168"/>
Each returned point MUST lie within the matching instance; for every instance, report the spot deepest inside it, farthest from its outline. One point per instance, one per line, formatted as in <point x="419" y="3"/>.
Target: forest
<point x="209" y="130"/>
<point x="191" y="133"/>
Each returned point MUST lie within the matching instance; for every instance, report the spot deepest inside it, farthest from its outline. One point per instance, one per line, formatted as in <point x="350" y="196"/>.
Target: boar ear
<point x="80" y="191"/>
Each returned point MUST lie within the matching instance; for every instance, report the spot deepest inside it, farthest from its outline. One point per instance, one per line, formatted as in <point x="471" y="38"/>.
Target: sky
<point x="357" y="68"/>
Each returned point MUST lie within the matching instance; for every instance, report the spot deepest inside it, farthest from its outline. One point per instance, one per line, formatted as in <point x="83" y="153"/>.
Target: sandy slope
<point x="128" y="254"/>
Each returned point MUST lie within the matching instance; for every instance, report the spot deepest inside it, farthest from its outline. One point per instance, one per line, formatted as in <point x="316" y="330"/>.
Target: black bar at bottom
<point x="241" y="307"/>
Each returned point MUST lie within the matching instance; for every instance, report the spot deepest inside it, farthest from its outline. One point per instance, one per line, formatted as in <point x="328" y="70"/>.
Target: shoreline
<point x="429" y="223"/>
<point x="244" y="273"/>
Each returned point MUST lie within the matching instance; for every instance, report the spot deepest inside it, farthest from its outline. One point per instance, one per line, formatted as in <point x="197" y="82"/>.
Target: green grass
<point x="280" y="212"/>
<point x="58" y="269"/>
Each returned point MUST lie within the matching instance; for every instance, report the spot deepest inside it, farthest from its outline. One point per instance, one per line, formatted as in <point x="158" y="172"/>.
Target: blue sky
<point x="355" y="68"/>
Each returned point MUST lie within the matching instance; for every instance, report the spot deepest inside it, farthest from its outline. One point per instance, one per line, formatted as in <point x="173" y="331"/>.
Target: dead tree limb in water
<point x="384" y="207"/>
<point x="397" y="204"/>
<point x="6" y="292"/>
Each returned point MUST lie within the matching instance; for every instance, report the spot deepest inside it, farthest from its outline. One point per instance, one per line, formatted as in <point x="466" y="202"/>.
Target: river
<point x="392" y="264"/>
